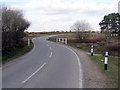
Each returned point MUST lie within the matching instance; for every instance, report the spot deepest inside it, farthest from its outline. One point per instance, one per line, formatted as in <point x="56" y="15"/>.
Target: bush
<point x="73" y="40"/>
<point x="113" y="47"/>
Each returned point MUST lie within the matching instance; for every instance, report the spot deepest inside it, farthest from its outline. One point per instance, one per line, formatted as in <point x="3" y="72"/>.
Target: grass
<point x="112" y="71"/>
<point x="0" y="59"/>
<point x="17" y="53"/>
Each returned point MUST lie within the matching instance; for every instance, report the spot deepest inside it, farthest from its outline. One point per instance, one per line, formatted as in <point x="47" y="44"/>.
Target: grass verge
<point x="112" y="71"/>
<point x="17" y="53"/>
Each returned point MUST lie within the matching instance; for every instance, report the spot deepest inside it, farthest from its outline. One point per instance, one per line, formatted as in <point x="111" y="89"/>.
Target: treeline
<point x="35" y="34"/>
<point x="110" y="24"/>
<point x="13" y="26"/>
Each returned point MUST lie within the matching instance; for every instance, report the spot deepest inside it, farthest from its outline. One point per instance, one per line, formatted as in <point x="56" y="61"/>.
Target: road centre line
<point x="50" y="55"/>
<point x="48" y="45"/>
<point x="80" y="69"/>
<point x="34" y="73"/>
<point x="50" y="48"/>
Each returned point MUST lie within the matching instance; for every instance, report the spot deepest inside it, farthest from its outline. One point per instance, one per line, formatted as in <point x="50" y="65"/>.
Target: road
<point x="48" y="65"/>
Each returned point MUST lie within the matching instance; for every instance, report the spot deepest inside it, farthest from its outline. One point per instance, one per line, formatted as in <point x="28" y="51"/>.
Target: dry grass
<point x="100" y="41"/>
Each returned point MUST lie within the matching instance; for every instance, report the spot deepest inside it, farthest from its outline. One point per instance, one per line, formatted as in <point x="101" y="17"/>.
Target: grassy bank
<point x="112" y="71"/>
<point x="17" y="53"/>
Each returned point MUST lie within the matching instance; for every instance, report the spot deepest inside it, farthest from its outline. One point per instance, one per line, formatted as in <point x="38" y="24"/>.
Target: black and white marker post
<point x="91" y="50"/>
<point x="56" y="39"/>
<point x="62" y="40"/>
<point x="28" y="42"/>
<point x="65" y="40"/>
<point x="106" y="61"/>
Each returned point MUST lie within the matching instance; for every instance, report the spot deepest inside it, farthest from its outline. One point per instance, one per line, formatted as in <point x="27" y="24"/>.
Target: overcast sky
<point x="50" y="15"/>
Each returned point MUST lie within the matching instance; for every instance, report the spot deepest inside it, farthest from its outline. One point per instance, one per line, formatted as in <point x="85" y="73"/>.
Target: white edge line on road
<point x="80" y="69"/>
<point x="34" y="73"/>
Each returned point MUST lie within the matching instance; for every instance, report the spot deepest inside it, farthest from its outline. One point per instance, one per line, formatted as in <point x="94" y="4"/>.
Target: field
<point x="100" y="42"/>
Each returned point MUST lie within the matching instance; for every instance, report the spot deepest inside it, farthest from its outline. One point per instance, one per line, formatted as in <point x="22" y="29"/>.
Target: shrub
<point x="113" y="47"/>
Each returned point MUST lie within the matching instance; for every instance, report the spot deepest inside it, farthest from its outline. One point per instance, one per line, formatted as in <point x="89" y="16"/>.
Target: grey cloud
<point x="57" y="12"/>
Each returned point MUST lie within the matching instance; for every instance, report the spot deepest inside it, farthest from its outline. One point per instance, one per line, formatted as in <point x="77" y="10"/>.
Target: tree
<point x="13" y="27"/>
<point x="110" y="23"/>
<point x="0" y="30"/>
<point x="80" y="27"/>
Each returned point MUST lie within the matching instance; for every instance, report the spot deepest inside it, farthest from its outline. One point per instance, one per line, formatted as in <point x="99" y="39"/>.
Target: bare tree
<point x="80" y="27"/>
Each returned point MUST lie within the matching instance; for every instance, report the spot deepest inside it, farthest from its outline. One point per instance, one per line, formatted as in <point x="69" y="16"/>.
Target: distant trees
<point x="13" y="27"/>
<point x="80" y="27"/>
<point x="110" y="23"/>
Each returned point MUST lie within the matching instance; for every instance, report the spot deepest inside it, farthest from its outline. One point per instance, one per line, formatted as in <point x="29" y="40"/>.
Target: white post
<point x="106" y="61"/>
<point x="65" y="40"/>
<point x="92" y="50"/>
<point x="62" y="40"/>
<point x="56" y="39"/>
<point x="28" y="42"/>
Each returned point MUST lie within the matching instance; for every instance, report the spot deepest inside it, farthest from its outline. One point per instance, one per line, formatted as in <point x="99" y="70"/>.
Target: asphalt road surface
<point x="48" y="65"/>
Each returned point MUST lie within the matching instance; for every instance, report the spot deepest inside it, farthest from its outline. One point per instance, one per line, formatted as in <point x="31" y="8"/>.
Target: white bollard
<point x="62" y="40"/>
<point x="65" y="40"/>
<point x="92" y="50"/>
<point x="106" y="61"/>
<point x="56" y="39"/>
<point x="59" y="39"/>
<point x="28" y="42"/>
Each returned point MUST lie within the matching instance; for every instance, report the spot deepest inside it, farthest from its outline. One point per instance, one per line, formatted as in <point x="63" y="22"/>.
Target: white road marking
<point x="80" y="69"/>
<point x="34" y="73"/>
<point x="50" y="48"/>
<point x="50" y="55"/>
<point x="48" y="45"/>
